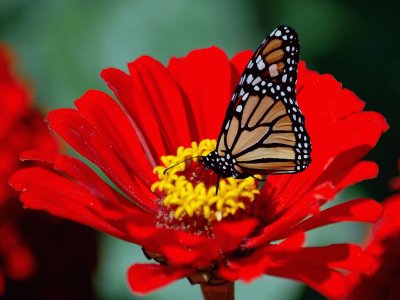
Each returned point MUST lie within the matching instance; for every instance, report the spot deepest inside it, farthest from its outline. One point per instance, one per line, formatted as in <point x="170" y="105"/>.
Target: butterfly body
<point x="224" y="165"/>
<point x="264" y="130"/>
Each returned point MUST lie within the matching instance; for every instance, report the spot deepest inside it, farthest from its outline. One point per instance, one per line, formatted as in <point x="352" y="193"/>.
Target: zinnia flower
<point x="172" y="113"/>
<point x="21" y="127"/>
<point x="384" y="244"/>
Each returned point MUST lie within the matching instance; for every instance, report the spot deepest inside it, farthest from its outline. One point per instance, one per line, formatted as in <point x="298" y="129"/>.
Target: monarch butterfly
<point x="264" y="130"/>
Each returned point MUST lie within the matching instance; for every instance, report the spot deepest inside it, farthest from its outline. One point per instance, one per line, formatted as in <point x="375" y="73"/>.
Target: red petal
<point x="42" y="189"/>
<point x="338" y="256"/>
<point x="145" y="278"/>
<point x="385" y="233"/>
<point x="195" y="250"/>
<point x="345" y="102"/>
<point x="81" y="174"/>
<point x="314" y="265"/>
<point x="358" y="210"/>
<point x="120" y="83"/>
<point x="205" y="78"/>
<point x="229" y="235"/>
<point x="107" y="116"/>
<point x="299" y="210"/>
<point x="179" y="247"/>
<point x="177" y="255"/>
<point x="337" y="103"/>
<point x="361" y="171"/>
<point x="38" y="155"/>
<point x="144" y="232"/>
<point x="87" y="140"/>
<point x="86" y="177"/>
<point x="239" y="62"/>
<point x="202" y="244"/>
<point x="293" y="242"/>
<point x="246" y="269"/>
<point x="158" y="100"/>
<point x="355" y="142"/>
<point x="255" y="263"/>
<point x="327" y="282"/>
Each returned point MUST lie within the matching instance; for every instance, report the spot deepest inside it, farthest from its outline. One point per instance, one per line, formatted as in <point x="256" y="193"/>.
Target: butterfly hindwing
<point x="264" y="128"/>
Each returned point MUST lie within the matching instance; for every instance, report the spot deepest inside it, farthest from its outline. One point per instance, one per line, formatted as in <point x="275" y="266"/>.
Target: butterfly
<point x="264" y="131"/>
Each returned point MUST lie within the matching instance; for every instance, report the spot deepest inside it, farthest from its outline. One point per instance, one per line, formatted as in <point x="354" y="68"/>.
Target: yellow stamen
<point x="188" y="199"/>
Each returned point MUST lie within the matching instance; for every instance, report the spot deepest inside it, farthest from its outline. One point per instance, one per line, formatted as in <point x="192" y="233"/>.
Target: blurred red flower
<point x="38" y="254"/>
<point x="21" y="127"/>
<point x="165" y="108"/>
<point x="384" y="244"/>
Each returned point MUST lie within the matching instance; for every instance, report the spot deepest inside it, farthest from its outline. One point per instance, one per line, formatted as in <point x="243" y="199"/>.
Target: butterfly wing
<point x="264" y="129"/>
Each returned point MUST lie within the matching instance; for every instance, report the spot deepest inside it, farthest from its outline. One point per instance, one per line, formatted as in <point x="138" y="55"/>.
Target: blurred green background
<point x="63" y="45"/>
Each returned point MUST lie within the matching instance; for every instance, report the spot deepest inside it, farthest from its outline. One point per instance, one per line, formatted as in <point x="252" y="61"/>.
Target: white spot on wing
<point x="261" y="65"/>
<point x="249" y="79"/>
<point x="272" y="90"/>
<point x="273" y="70"/>
<point x="256" y="81"/>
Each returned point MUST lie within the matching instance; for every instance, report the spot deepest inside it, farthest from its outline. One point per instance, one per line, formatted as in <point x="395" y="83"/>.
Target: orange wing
<point x="264" y="129"/>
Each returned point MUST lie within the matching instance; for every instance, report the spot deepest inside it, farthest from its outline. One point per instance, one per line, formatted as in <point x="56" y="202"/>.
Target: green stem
<point x="219" y="292"/>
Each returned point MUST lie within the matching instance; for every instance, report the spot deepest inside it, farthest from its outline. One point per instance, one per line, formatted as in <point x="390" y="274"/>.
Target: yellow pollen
<point x="188" y="199"/>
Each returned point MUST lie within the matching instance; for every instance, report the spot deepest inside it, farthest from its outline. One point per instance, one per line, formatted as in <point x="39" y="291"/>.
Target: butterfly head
<point x="224" y="166"/>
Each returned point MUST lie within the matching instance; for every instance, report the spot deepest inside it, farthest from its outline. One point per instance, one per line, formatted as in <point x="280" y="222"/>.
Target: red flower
<point x="384" y="244"/>
<point x="29" y="267"/>
<point x="238" y="234"/>
<point x="21" y="127"/>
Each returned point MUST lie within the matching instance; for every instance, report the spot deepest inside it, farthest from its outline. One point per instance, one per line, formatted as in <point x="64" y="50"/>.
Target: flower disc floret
<point x="187" y="192"/>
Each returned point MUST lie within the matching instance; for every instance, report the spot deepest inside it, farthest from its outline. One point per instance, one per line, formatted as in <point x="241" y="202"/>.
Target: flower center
<point x="190" y="189"/>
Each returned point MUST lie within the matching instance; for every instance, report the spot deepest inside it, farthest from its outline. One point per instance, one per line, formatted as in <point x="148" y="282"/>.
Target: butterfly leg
<point x="201" y="172"/>
<point x="261" y="182"/>
<point x="216" y="191"/>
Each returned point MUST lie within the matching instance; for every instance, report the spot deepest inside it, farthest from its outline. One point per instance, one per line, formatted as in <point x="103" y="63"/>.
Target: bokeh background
<point x="63" y="45"/>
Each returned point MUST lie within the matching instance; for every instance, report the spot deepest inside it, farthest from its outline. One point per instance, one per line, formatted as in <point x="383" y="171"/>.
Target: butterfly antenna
<point x="216" y="191"/>
<point x="185" y="160"/>
<point x="201" y="172"/>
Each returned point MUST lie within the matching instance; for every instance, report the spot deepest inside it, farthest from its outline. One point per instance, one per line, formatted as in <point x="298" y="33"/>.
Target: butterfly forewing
<point x="264" y="129"/>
